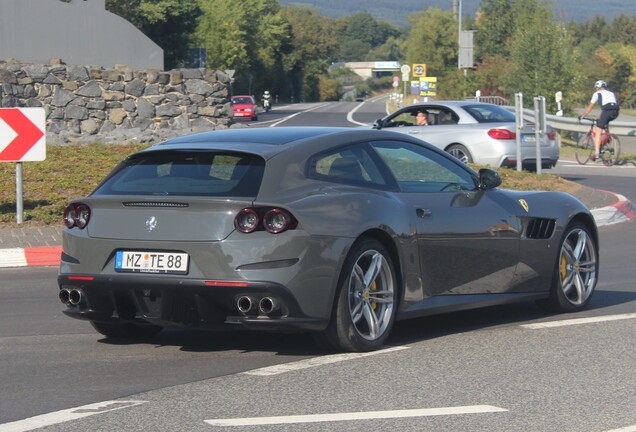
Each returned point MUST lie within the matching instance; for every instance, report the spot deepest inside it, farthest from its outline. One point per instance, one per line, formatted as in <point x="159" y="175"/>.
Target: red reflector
<point x="226" y="283"/>
<point x="81" y="278"/>
<point x="501" y="134"/>
<point x="551" y="135"/>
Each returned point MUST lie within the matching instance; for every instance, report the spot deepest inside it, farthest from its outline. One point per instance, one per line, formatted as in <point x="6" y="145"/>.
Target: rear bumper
<point x="511" y="162"/>
<point x="185" y="303"/>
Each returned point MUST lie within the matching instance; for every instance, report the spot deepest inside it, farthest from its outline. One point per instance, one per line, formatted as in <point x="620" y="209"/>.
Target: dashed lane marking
<point x="624" y="429"/>
<point x="333" y="417"/>
<point x="67" y="415"/>
<point x="579" y="321"/>
<point x="316" y="361"/>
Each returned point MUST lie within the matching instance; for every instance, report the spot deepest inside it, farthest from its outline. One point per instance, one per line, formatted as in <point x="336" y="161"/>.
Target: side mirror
<point x="377" y="124"/>
<point x="488" y="179"/>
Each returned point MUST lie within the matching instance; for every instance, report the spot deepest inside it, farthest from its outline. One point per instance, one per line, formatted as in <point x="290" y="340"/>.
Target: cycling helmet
<point x="267" y="92"/>
<point x="600" y="84"/>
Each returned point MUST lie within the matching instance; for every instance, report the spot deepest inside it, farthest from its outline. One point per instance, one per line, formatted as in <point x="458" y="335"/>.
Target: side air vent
<point x="540" y="228"/>
<point x="153" y="204"/>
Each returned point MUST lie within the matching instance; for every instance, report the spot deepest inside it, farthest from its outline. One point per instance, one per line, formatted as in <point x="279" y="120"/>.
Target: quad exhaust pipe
<point x="265" y="306"/>
<point x="71" y="296"/>
<point x="245" y="304"/>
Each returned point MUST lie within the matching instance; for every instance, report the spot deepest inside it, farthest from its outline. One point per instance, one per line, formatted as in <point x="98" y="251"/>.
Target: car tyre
<point x="126" y="330"/>
<point x="461" y="153"/>
<point x="366" y="301"/>
<point x="576" y="271"/>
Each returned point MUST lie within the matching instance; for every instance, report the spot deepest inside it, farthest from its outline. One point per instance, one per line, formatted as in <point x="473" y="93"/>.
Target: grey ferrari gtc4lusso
<point x="331" y="231"/>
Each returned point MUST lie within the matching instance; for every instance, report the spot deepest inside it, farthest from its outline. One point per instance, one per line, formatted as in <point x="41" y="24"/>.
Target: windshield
<point x="186" y="173"/>
<point x="242" y="100"/>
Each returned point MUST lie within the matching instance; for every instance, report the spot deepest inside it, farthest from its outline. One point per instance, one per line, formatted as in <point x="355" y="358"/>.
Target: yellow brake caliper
<point x="374" y="287"/>
<point x="564" y="267"/>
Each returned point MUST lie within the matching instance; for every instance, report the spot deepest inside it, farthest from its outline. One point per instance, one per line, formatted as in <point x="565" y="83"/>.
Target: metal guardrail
<point x="572" y="124"/>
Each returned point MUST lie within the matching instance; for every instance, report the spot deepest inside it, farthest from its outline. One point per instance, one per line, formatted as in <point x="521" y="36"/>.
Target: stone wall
<point x="89" y="104"/>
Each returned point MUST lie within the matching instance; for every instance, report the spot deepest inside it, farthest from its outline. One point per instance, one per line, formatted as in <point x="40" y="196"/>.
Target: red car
<point x="244" y="106"/>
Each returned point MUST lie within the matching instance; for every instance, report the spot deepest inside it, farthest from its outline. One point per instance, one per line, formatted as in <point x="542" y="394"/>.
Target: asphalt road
<point x="486" y="370"/>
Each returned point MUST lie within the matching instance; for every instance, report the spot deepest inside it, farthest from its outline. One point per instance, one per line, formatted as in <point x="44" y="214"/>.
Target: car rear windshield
<point x="489" y="113"/>
<point x="186" y="173"/>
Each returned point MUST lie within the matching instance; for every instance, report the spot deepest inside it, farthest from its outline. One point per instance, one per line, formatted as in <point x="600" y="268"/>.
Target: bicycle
<point x="610" y="146"/>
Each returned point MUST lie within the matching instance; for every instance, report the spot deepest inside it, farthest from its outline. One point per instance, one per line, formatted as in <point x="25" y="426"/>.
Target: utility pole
<point x="457" y="7"/>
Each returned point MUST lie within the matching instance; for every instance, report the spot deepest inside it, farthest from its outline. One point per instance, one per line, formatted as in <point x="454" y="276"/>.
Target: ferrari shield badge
<point x="151" y="223"/>
<point x="524" y="204"/>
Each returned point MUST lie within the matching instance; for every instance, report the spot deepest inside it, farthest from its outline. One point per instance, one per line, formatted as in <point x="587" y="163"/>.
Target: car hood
<point x="162" y="218"/>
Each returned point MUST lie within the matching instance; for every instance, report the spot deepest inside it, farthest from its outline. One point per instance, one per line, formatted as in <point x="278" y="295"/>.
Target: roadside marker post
<point x="22" y="139"/>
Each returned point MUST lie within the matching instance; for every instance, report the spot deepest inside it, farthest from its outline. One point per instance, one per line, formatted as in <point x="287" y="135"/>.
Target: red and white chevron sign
<point x="22" y="134"/>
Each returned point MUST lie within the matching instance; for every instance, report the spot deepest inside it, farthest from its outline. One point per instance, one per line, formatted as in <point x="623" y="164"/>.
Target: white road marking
<point x="578" y="321"/>
<point x="624" y="429"/>
<point x="595" y="165"/>
<point x="317" y="418"/>
<point x="352" y="112"/>
<point x="67" y="415"/>
<point x="289" y="117"/>
<point x="316" y="361"/>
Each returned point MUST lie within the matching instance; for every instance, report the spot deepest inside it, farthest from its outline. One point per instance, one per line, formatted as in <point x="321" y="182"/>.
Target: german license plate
<point x="151" y="262"/>
<point x="529" y="138"/>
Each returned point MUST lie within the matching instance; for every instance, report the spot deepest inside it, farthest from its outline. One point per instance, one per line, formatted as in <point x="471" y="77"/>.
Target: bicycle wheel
<point x="611" y="150"/>
<point x="584" y="148"/>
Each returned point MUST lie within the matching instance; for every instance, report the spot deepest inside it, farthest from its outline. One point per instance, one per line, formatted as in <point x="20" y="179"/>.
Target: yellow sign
<point x="419" y="70"/>
<point x="428" y="86"/>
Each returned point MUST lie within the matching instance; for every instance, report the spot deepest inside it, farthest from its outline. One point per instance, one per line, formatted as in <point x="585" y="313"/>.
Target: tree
<point x="314" y="44"/>
<point x="495" y="26"/>
<point x="542" y="59"/>
<point x="433" y="40"/>
<point x="249" y="36"/>
<point x="360" y="33"/>
<point x="169" y="23"/>
<point x="391" y="50"/>
<point x="329" y="89"/>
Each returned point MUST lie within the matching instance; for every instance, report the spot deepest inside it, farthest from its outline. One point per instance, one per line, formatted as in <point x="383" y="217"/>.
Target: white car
<point x="474" y="132"/>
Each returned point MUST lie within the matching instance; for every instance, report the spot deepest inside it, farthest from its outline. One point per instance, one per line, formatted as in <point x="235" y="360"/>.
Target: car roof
<point x="266" y="141"/>
<point x="450" y="103"/>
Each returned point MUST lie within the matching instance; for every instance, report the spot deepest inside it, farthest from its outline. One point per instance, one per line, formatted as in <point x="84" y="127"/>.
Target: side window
<point x="347" y="165"/>
<point x="447" y="117"/>
<point x="405" y="118"/>
<point x="418" y="169"/>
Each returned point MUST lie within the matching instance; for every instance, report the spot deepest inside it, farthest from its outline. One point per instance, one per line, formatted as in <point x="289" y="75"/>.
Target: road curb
<point x="31" y="257"/>
<point x="621" y="211"/>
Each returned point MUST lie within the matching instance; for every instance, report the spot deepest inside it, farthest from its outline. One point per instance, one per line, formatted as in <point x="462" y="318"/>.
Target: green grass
<point x="68" y="172"/>
<point x="73" y="171"/>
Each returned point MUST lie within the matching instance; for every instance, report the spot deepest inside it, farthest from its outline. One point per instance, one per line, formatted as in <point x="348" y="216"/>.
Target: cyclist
<point x="609" y="111"/>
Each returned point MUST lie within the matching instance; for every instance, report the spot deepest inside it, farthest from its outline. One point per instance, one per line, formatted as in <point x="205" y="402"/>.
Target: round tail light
<point x="246" y="220"/>
<point x="276" y="221"/>
<point x="69" y="216"/>
<point x="77" y="215"/>
<point x="83" y="215"/>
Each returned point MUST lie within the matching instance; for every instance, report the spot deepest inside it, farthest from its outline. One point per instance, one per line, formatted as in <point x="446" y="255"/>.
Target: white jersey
<point x="606" y="98"/>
